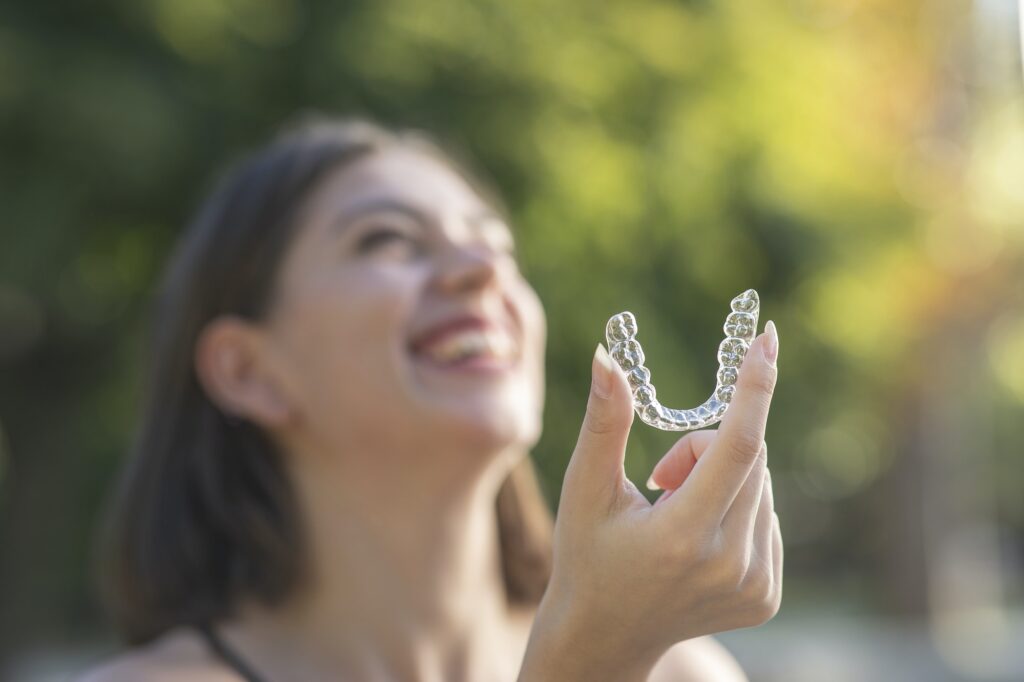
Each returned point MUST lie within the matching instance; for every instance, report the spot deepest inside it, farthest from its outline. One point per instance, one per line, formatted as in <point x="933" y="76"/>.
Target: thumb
<point x="597" y="461"/>
<point x="678" y="462"/>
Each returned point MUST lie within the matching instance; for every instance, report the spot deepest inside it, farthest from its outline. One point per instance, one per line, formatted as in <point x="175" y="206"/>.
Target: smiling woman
<point x="207" y="516"/>
<point x="331" y="478"/>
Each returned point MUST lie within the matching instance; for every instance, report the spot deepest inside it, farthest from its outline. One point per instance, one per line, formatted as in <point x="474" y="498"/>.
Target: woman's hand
<point x="630" y="578"/>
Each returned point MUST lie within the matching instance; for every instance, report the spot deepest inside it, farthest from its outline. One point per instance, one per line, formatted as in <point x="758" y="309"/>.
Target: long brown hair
<point x="204" y="513"/>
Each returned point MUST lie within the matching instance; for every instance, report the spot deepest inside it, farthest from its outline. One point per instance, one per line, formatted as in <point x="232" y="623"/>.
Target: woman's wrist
<point x="565" y="647"/>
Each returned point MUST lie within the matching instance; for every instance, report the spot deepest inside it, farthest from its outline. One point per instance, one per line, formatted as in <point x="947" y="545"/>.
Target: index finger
<point x="719" y="474"/>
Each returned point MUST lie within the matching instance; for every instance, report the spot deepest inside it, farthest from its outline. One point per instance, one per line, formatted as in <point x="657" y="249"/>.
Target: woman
<point x="331" y="480"/>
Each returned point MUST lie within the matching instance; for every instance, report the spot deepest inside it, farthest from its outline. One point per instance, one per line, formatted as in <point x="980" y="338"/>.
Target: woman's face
<point x="401" y="320"/>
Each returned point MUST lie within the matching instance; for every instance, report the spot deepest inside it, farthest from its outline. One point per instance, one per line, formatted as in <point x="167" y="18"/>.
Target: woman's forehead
<point x="403" y="174"/>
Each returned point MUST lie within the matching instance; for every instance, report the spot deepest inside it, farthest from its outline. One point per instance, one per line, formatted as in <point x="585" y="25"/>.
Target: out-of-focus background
<point x="859" y="162"/>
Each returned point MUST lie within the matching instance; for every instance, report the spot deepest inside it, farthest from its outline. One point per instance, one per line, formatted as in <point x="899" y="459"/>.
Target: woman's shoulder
<point x="698" y="660"/>
<point x="175" y="656"/>
<point x="702" y="659"/>
<point x="181" y="655"/>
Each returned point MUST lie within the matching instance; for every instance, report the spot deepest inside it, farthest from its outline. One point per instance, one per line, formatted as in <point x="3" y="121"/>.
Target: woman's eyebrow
<point x="370" y="205"/>
<point x="374" y="205"/>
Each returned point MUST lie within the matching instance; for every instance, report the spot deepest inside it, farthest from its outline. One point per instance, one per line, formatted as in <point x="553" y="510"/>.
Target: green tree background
<point x="859" y="163"/>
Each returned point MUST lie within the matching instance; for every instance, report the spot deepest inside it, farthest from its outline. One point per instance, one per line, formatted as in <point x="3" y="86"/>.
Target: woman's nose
<point x="467" y="266"/>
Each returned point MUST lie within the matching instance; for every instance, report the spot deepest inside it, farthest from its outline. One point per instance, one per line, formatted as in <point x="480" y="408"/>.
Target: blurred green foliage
<point x="658" y="156"/>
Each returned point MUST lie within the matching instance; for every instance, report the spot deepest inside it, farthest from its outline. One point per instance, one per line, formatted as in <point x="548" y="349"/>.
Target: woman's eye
<point x="380" y="237"/>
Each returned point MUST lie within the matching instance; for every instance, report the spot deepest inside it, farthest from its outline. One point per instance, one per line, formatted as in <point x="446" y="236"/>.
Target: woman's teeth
<point x="469" y="343"/>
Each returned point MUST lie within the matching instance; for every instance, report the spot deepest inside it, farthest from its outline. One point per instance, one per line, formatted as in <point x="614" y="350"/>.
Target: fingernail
<point x="771" y="348"/>
<point x="602" y="372"/>
<point x="651" y="485"/>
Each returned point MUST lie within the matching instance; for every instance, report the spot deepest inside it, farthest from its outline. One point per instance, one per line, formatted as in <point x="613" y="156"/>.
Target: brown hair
<point x="204" y="514"/>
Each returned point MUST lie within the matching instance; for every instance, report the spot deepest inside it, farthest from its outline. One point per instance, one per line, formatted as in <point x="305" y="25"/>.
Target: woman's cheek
<point x="348" y="352"/>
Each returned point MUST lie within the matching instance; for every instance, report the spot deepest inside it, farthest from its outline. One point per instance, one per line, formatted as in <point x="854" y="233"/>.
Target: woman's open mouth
<point x="468" y="343"/>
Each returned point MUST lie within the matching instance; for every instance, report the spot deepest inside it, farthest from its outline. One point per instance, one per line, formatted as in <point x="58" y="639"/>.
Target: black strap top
<point x="220" y="649"/>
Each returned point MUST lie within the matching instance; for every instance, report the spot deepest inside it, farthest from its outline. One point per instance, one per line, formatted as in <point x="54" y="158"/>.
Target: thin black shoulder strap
<point x="220" y="649"/>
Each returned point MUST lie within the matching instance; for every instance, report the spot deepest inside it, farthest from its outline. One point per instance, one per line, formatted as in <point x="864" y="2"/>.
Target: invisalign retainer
<point x="740" y="328"/>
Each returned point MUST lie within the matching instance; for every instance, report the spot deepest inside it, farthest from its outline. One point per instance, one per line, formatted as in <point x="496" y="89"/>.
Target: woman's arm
<point x="631" y="579"/>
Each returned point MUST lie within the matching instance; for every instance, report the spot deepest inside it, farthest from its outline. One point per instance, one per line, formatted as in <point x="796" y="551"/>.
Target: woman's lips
<point x="469" y="343"/>
<point x="480" y="364"/>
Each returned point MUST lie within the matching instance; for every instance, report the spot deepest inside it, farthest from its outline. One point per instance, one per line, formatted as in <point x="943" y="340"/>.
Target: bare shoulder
<point x="698" y="660"/>
<point x="702" y="659"/>
<point x="174" y="657"/>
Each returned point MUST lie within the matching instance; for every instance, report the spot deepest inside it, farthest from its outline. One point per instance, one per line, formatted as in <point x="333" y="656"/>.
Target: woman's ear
<point x="233" y="367"/>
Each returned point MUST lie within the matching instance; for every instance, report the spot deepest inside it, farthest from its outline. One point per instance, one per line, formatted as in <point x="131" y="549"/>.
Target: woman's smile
<point x="467" y="344"/>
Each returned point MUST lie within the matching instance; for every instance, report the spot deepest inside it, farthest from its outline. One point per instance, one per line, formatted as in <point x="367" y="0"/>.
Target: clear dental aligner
<point x="740" y="328"/>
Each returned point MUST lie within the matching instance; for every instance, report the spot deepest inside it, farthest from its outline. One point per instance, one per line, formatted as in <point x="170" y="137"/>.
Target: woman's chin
<point x="478" y="428"/>
<point x="480" y="403"/>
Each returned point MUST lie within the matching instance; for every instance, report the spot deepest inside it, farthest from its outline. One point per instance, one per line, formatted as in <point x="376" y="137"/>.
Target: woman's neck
<point x="405" y="582"/>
